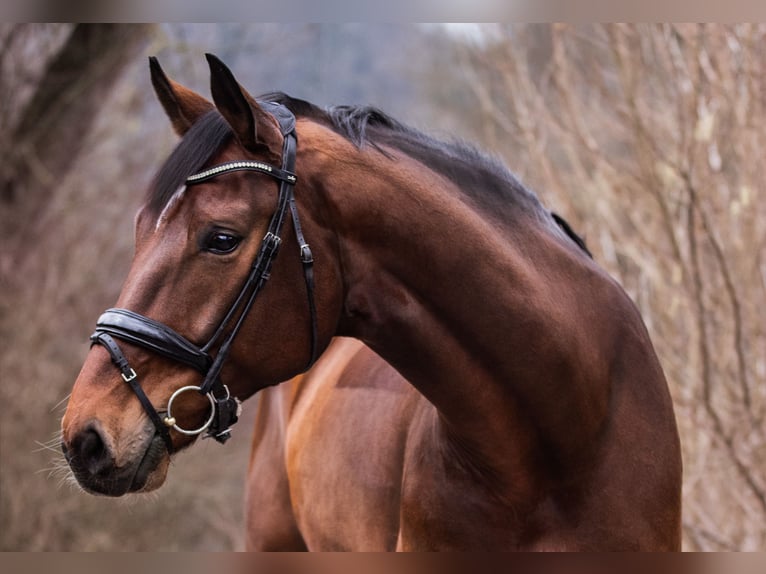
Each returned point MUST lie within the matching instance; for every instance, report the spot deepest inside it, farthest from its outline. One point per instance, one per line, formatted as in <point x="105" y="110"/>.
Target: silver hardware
<point x="130" y="376"/>
<point x="306" y="255"/>
<point x="231" y="166"/>
<point x="170" y="419"/>
<point x="271" y="237"/>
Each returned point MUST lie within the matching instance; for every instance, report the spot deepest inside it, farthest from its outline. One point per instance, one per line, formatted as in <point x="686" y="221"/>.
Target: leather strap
<point x="130" y="377"/>
<point x="284" y="117"/>
<point x="134" y="328"/>
<point x="307" y="259"/>
<point x="261" y="269"/>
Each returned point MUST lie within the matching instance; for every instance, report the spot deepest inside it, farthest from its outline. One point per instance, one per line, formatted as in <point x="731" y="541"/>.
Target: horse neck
<point x="470" y="311"/>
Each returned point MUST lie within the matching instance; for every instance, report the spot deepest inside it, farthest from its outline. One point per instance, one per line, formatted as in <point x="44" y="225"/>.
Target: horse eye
<point x="221" y="243"/>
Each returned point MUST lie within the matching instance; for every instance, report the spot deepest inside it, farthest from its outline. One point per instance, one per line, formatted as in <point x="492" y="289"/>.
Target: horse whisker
<point x="60" y="403"/>
<point x="52" y="446"/>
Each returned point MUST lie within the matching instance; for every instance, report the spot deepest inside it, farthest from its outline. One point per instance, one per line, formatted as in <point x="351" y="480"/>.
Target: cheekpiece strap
<point x="129" y="376"/>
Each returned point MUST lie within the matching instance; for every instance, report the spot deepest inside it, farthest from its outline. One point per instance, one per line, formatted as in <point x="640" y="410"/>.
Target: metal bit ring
<point x="170" y="420"/>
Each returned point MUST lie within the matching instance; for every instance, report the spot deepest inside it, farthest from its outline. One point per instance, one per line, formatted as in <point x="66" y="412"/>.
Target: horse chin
<point x="153" y="468"/>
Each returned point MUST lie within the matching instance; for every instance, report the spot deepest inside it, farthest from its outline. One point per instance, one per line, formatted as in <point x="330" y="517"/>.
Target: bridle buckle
<point x="306" y="255"/>
<point x="129" y="376"/>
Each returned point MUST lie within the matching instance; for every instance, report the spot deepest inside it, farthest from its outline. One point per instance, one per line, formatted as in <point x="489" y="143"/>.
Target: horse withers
<point x="491" y="387"/>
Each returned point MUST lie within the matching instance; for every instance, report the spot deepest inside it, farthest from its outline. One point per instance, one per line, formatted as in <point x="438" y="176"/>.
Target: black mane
<point x="209" y="134"/>
<point x="489" y="184"/>
<point x="485" y="182"/>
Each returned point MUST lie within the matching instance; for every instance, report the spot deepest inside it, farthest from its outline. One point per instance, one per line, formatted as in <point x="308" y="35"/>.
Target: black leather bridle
<point x="139" y="330"/>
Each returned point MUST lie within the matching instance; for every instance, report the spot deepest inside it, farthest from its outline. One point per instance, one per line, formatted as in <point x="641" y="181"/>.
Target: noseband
<point x="139" y="330"/>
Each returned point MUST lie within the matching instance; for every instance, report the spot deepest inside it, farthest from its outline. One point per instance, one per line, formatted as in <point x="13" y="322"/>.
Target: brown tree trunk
<point x="52" y="126"/>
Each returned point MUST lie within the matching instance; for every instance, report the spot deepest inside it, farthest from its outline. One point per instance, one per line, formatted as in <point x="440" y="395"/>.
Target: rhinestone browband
<point x="239" y="166"/>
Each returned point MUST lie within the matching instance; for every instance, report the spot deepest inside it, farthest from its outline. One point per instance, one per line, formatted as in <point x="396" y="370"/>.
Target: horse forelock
<point x="206" y="137"/>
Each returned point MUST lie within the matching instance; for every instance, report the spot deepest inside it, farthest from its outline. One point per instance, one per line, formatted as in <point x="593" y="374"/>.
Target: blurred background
<point x="651" y="140"/>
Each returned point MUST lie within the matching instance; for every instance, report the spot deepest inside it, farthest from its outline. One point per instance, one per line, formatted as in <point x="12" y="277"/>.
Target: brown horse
<point x="502" y="392"/>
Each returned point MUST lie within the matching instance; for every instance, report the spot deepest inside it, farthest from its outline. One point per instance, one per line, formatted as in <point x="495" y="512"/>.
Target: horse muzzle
<point x="94" y="463"/>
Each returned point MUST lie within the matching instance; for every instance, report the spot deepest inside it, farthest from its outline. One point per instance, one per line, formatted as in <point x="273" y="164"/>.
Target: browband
<point x="274" y="172"/>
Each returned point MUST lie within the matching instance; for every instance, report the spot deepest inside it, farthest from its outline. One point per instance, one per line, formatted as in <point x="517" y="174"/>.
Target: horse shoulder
<point x="345" y="449"/>
<point x="269" y="518"/>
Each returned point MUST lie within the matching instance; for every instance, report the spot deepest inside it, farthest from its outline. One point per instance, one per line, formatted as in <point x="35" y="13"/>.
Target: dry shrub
<point x="60" y="268"/>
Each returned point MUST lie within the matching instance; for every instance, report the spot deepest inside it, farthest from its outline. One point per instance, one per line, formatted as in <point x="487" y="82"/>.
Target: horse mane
<point x="486" y="183"/>
<point x="484" y="180"/>
<point x="566" y="228"/>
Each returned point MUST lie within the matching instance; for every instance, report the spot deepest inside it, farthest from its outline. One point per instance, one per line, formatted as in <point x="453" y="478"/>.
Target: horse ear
<point x="182" y="105"/>
<point x="253" y="127"/>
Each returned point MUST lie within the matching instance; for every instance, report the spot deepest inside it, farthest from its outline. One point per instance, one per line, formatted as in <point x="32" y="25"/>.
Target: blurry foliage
<point x="649" y="139"/>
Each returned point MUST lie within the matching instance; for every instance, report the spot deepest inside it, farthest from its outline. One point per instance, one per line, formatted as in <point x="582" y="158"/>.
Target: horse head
<point x="187" y="333"/>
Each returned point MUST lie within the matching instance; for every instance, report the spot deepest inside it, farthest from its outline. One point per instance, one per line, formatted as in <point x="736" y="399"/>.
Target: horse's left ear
<point x="254" y="127"/>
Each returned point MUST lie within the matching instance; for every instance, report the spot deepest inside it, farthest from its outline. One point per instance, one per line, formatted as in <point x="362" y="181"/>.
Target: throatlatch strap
<point x="130" y="377"/>
<point x="307" y="259"/>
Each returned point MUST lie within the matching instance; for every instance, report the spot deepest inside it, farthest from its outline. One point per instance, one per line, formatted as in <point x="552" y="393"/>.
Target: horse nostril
<point x="92" y="454"/>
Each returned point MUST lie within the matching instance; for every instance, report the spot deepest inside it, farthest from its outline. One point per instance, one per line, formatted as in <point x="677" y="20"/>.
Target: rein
<point x="139" y="330"/>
